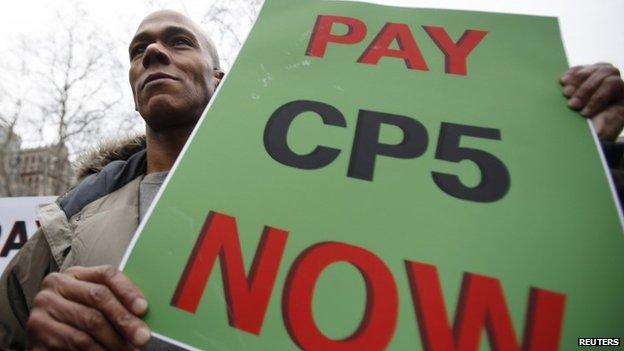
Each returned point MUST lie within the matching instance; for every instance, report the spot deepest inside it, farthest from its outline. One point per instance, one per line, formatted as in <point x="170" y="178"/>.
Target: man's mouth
<point x="156" y="76"/>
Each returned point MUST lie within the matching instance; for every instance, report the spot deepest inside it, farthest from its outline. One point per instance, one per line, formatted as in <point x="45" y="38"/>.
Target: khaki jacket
<point x="90" y="225"/>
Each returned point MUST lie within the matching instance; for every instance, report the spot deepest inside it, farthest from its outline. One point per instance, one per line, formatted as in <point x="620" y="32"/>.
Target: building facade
<point x="39" y="171"/>
<point x="9" y="160"/>
<point x="44" y="170"/>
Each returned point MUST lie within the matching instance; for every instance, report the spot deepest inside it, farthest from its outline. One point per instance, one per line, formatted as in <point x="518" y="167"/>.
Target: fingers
<point x="104" y="300"/>
<point x="590" y="84"/>
<point x="597" y="91"/>
<point x="83" y="318"/>
<point x="46" y="333"/>
<point x="568" y="77"/>
<point x="611" y="89"/>
<point x="578" y="74"/>
<point x="609" y="123"/>
<point x="581" y="83"/>
<point x="96" y="308"/>
<point x="123" y="288"/>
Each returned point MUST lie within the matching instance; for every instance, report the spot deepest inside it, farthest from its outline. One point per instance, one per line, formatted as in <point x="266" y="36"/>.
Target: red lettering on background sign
<point x="408" y="49"/>
<point x="455" y="54"/>
<point x="247" y="296"/>
<point x="377" y="326"/>
<point x="321" y="35"/>
<point x="481" y="306"/>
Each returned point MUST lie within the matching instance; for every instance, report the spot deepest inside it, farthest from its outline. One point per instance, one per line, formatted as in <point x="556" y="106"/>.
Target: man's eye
<point x="137" y="50"/>
<point x="182" y="41"/>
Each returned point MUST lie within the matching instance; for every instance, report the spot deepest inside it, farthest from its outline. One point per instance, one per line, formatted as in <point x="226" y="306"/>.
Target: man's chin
<point x="160" y="101"/>
<point x="161" y="114"/>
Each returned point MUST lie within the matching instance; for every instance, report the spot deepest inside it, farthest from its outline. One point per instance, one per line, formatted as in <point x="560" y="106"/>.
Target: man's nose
<point x="155" y="53"/>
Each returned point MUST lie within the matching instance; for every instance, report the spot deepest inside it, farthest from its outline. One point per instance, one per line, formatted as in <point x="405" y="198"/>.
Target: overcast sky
<point x="592" y="30"/>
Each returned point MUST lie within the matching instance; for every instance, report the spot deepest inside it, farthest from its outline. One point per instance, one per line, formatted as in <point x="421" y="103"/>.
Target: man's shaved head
<point x="205" y="40"/>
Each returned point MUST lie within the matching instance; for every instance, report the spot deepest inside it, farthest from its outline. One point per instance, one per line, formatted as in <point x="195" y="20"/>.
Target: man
<point x="61" y="291"/>
<point x="174" y="72"/>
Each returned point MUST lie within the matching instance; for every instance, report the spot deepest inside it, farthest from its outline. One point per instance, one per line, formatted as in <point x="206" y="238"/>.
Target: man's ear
<point x="218" y="74"/>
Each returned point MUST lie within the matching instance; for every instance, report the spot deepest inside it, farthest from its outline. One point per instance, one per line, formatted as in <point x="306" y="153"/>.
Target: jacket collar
<point x="108" y="171"/>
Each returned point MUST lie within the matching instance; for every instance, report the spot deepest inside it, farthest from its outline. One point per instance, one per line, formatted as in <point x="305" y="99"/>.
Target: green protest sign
<point x="372" y="177"/>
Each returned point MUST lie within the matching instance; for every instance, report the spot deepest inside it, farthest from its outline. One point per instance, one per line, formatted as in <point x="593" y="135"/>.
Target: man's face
<point x="171" y="74"/>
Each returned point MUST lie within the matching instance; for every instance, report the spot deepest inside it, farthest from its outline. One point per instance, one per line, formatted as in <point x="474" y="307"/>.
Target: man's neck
<point x="163" y="148"/>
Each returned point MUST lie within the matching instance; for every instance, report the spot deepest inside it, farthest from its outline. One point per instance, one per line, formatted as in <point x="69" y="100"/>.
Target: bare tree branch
<point x="228" y="23"/>
<point x="76" y="91"/>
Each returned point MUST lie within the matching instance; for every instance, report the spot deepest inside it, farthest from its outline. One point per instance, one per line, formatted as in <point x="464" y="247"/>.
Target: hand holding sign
<point x="94" y="308"/>
<point x="598" y="92"/>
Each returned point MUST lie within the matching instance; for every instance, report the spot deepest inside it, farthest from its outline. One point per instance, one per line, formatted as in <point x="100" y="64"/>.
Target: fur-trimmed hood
<point x="105" y="169"/>
<point x="97" y="158"/>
